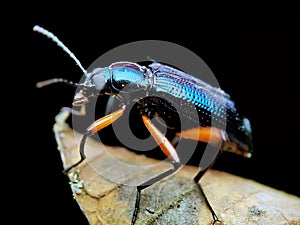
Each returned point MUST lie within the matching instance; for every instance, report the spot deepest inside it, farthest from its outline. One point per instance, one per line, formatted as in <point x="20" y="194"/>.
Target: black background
<point x="254" y="56"/>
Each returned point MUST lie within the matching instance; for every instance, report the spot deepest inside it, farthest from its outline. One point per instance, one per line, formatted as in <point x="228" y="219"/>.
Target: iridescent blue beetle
<point x="160" y="91"/>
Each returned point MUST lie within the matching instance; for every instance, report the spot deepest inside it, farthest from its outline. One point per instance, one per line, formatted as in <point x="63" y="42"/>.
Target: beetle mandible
<point x="123" y="80"/>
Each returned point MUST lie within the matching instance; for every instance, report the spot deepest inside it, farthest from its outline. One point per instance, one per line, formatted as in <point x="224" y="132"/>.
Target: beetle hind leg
<point x="211" y="135"/>
<point x="196" y="179"/>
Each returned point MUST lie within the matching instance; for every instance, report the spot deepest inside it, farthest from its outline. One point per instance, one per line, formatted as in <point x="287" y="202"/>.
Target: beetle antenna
<point x="60" y="44"/>
<point x="55" y="80"/>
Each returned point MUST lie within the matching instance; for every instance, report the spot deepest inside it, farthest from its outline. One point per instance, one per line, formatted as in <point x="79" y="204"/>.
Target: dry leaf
<point x="174" y="200"/>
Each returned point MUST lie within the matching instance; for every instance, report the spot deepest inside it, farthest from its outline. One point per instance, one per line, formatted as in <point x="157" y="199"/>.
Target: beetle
<point x="161" y="91"/>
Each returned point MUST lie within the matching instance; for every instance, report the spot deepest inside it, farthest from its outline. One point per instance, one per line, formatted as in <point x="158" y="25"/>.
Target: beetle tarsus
<point x="216" y="219"/>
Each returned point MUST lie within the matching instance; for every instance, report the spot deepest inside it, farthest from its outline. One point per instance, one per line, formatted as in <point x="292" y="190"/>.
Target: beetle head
<point x="119" y="77"/>
<point x="93" y="85"/>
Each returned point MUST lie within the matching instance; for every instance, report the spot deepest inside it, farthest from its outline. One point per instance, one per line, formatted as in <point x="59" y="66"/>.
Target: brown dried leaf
<point x="174" y="200"/>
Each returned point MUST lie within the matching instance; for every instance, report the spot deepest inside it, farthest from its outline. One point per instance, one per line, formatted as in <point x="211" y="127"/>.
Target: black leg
<point x="168" y="149"/>
<point x="197" y="179"/>
<point x="82" y="155"/>
<point x="137" y="204"/>
<point x="92" y="129"/>
<point x="147" y="184"/>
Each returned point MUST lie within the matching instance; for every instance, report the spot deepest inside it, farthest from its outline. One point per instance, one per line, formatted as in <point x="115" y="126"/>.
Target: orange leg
<point x="212" y="135"/>
<point x="92" y="129"/>
<point x="204" y="134"/>
<point x="104" y="121"/>
<point x="169" y="150"/>
<point x="165" y="145"/>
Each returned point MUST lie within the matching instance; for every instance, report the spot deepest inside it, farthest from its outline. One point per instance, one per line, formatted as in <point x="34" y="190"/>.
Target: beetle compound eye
<point x="99" y="81"/>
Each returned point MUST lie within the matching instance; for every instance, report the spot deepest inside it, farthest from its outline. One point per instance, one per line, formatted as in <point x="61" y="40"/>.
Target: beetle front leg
<point x="65" y="112"/>
<point x="81" y="112"/>
<point x="92" y="129"/>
